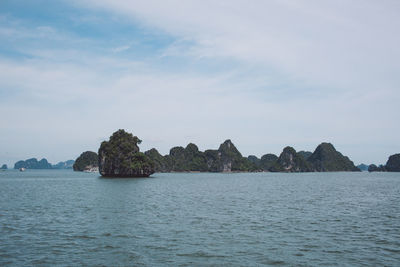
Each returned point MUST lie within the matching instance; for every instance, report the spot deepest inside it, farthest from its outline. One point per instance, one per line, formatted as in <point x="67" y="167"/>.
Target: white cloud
<point x="292" y="73"/>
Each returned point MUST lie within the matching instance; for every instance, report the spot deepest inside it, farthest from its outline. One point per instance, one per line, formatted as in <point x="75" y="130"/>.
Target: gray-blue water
<point x="67" y="218"/>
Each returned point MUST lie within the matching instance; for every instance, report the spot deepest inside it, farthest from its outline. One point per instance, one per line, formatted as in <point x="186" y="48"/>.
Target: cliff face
<point x="326" y="159"/>
<point x="393" y="163"/>
<point x="290" y="161"/>
<point x="120" y="157"/>
<point x="225" y="159"/>
<point x="32" y="163"/>
<point x="86" y="161"/>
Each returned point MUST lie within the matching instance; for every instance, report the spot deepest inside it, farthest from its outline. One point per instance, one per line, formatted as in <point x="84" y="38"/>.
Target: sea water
<point x="66" y="218"/>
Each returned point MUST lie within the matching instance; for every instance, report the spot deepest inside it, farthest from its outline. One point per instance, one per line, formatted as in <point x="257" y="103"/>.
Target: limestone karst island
<point x="120" y="156"/>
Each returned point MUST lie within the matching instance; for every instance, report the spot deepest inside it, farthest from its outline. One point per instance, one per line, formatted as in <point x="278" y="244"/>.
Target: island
<point x="4" y="167"/>
<point x="64" y="164"/>
<point x="227" y="158"/>
<point x="392" y="165"/>
<point x="87" y="161"/>
<point x="32" y="163"/>
<point x="120" y="157"/>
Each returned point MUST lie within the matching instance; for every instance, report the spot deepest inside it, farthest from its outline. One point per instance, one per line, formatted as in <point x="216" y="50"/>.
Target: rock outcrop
<point x="4" y="167"/>
<point x="290" y="161"/>
<point x="120" y="157"/>
<point x="64" y="164"/>
<point x="227" y="158"/>
<point x="363" y="167"/>
<point x="33" y="163"/>
<point x="326" y="159"/>
<point x="161" y="163"/>
<point x="374" y="168"/>
<point x="86" y="161"/>
<point x="393" y="163"/>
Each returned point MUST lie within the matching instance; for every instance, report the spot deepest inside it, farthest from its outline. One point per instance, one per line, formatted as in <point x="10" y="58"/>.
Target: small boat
<point x="22" y="169"/>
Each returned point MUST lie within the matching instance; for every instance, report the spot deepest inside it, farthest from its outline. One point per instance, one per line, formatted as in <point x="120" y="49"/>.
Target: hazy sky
<point x="265" y="74"/>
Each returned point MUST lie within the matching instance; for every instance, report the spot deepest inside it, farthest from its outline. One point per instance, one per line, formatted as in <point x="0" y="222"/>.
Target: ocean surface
<point x="66" y="218"/>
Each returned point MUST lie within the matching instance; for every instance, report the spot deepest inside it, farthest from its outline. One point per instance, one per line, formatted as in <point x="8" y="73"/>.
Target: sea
<point x="66" y="218"/>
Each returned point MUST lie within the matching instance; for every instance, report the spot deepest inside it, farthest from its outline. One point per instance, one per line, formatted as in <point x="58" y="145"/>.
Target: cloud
<point x="121" y="48"/>
<point x="265" y="74"/>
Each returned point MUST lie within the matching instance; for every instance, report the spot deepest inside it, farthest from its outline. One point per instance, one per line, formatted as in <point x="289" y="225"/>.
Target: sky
<point x="265" y="74"/>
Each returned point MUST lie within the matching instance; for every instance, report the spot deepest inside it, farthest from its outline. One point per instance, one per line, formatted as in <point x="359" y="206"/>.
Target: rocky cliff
<point x="290" y="161"/>
<point x="326" y="159"/>
<point x="393" y="163"/>
<point x="120" y="157"/>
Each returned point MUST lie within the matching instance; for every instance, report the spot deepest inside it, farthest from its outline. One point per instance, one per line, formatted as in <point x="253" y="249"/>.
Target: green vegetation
<point x="120" y="157"/>
<point x="326" y="159"/>
<point x="85" y="161"/>
<point x="305" y="154"/>
<point x="268" y="161"/>
<point x="32" y="163"/>
<point x="290" y="161"/>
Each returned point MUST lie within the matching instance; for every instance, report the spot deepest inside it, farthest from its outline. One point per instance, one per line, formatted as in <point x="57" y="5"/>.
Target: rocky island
<point x="392" y="165"/>
<point x="120" y="157"/>
<point x="227" y="158"/>
<point x="87" y="161"/>
<point x="32" y="163"/>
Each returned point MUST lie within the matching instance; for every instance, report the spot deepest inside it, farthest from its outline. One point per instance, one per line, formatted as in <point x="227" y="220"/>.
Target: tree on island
<point x="120" y="157"/>
<point x="86" y="160"/>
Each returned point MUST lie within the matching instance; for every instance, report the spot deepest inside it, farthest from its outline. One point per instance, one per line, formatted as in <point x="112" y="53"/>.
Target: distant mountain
<point x="4" y="167"/>
<point x="326" y="159"/>
<point x="225" y="159"/>
<point x="374" y="168"/>
<point x="363" y="167"/>
<point x="392" y="165"/>
<point x="87" y="160"/>
<point x="290" y="161"/>
<point x="32" y="163"/>
<point x="64" y="164"/>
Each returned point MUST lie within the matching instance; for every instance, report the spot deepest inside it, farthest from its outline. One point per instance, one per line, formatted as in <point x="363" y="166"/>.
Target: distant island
<point x="392" y="165"/>
<point x="121" y="157"/>
<point x="33" y="163"/>
<point x="87" y="161"/>
<point x="227" y="158"/>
